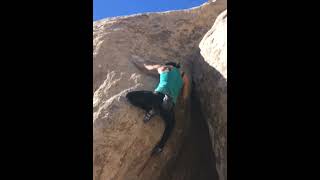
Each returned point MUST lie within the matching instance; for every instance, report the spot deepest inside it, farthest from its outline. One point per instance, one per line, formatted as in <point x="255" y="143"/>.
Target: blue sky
<point x="111" y="8"/>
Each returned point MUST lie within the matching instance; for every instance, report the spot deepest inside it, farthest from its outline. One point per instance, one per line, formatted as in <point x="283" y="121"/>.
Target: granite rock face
<point x="121" y="141"/>
<point x="210" y="79"/>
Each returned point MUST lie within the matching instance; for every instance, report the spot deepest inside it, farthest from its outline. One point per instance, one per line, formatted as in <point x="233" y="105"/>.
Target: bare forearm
<point x="148" y="69"/>
<point x="186" y="87"/>
<point x="151" y="67"/>
<point x="185" y="93"/>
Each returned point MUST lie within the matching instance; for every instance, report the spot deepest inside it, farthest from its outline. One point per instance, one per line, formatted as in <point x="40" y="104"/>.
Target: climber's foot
<point x="156" y="150"/>
<point x="149" y="115"/>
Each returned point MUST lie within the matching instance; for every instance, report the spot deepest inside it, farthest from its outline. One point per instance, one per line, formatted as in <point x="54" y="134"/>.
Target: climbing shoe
<point x="156" y="150"/>
<point x="149" y="115"/>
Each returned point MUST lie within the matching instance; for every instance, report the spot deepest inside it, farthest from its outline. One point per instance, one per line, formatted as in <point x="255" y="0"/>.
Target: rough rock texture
<point x="156" y="36"/>
<point x="214" y="45"/>
<point x="210" y="78"/>
<point x="121" y="142"/>
<point x="195" y="159"/>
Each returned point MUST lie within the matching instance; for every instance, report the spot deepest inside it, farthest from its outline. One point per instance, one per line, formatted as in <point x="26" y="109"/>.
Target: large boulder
<point x="210" y="80"/>
<point x="121" y="141"/>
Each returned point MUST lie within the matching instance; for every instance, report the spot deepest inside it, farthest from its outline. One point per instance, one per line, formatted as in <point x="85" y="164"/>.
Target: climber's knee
<point x="129" y="96"/>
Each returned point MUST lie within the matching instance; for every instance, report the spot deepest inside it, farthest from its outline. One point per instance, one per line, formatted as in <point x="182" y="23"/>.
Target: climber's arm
<point x="152" y="67"/>
<point x="149" y="69"/>
<point x="185" y="87"/>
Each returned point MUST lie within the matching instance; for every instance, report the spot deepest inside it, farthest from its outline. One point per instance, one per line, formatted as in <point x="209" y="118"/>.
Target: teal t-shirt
<point x="170" y="83"/>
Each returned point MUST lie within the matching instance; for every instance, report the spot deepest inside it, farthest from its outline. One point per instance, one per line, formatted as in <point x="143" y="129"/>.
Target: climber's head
<point x="168" y="67"/>
<point x="177" y="65"/>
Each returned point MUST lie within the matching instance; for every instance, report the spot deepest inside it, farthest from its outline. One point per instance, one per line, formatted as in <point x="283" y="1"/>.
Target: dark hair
<point x="177" y="65"/>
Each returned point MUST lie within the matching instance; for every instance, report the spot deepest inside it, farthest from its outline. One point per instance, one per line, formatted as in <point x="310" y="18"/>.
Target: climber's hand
<point x="156" y="150"/>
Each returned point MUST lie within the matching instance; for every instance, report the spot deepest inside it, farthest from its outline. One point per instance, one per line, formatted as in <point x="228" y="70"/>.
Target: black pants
<point x="148" y="100"/>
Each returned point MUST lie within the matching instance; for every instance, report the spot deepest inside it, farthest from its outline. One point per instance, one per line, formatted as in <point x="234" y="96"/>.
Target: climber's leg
<point x="141" y="99"/>
<point x="146" y="100"/>
<point x="168" y="118"/>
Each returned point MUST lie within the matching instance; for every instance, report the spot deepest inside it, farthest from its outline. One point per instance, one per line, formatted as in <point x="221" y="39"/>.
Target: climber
<point x="163" y="99"/>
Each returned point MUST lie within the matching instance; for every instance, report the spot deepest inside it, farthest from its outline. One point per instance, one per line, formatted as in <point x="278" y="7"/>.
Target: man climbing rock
<point x="162" y="100"/>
